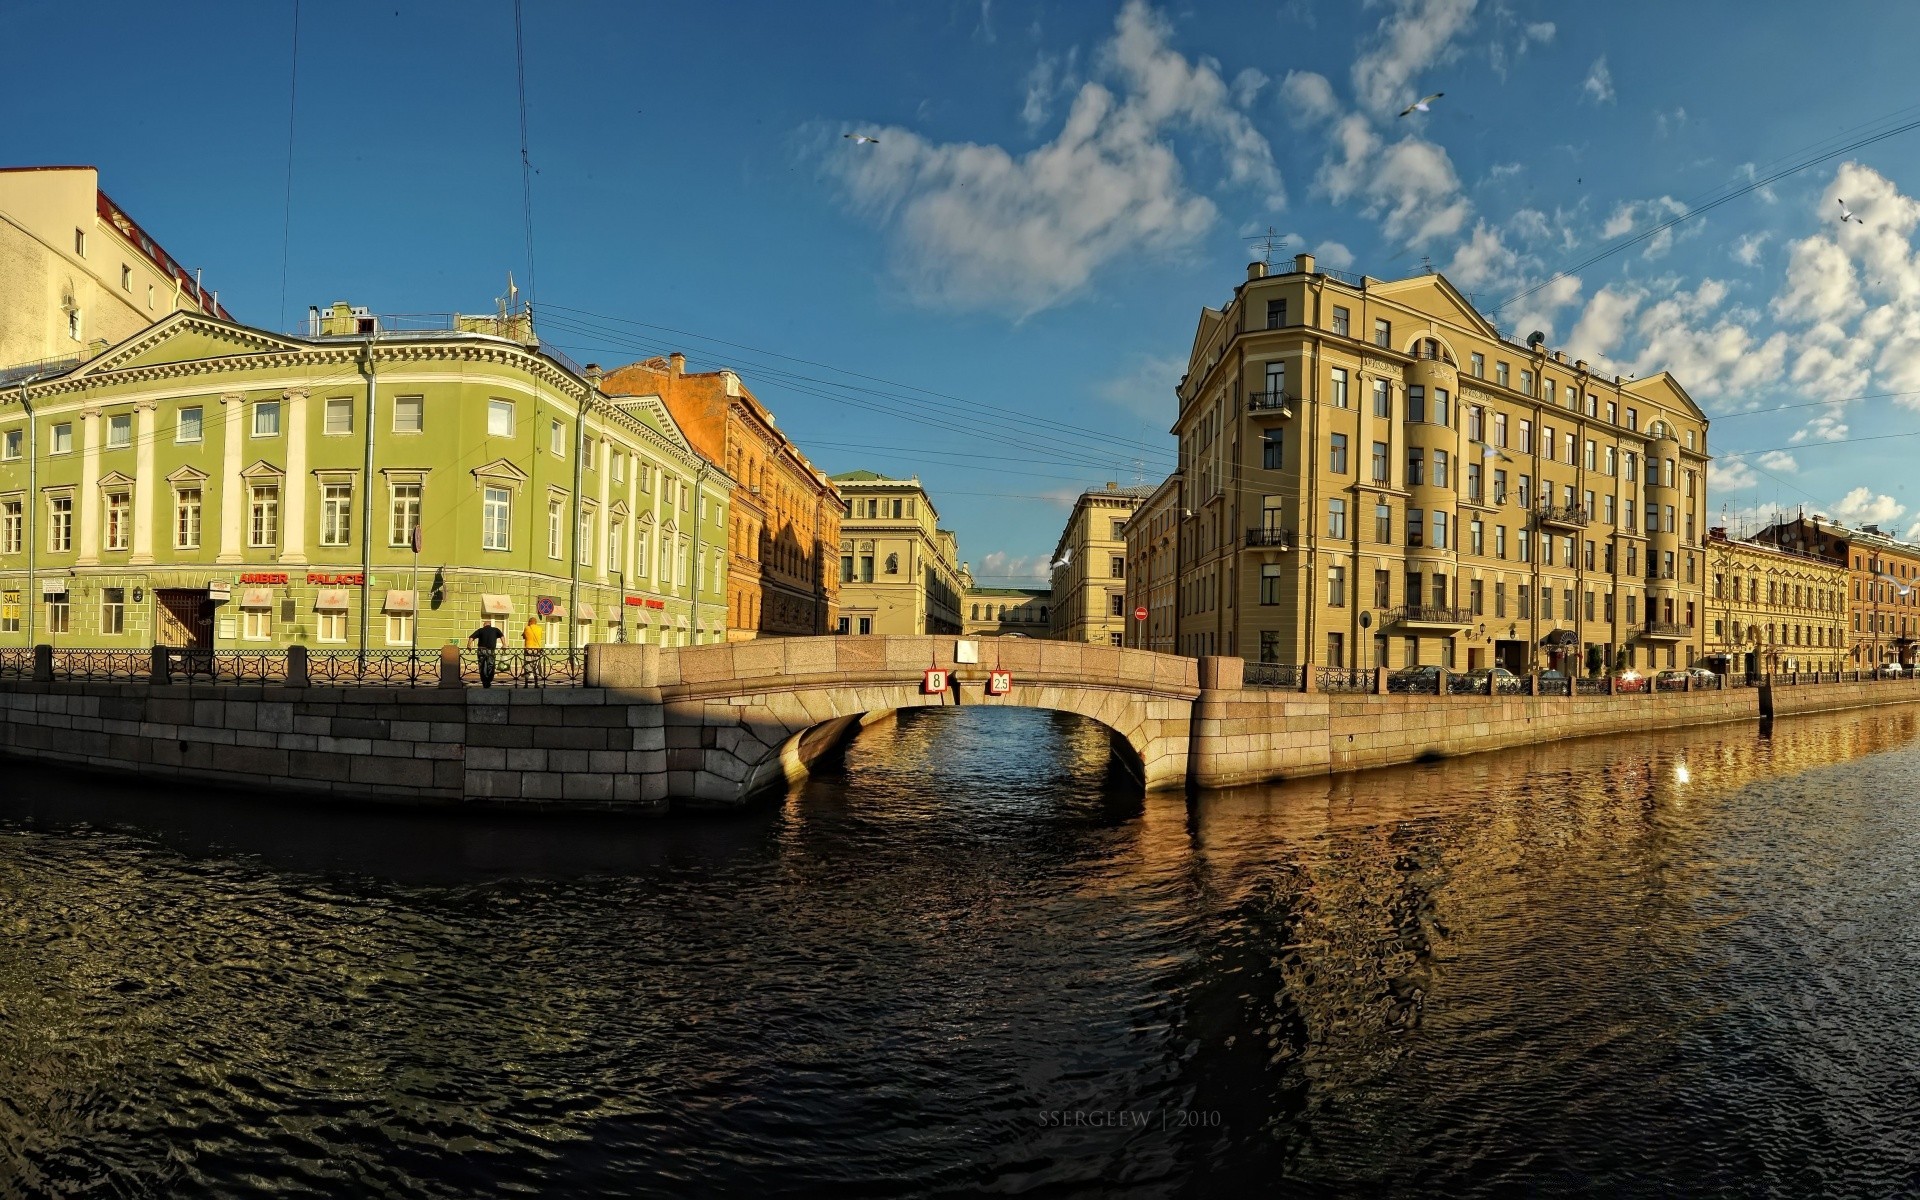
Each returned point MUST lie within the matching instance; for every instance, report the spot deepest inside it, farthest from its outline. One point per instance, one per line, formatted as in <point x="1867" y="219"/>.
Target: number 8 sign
<point x="935" y="682"/>
<point x="999" y="683"/>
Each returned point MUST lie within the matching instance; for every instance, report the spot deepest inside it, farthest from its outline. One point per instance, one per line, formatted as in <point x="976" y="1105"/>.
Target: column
<point x="144" y="515"/>
<point x="293" y="527"/>
<point x="233" y="432"/>
<point x="86" y="497"/>
<point x="602" y="566"/>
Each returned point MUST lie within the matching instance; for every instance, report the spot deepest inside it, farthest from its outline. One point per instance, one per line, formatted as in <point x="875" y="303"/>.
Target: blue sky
<point x="999" y="295"/>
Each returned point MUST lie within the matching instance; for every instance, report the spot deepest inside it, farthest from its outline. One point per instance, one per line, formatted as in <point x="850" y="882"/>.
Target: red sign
<point x="1140" y="614"/>
<point x="999" y="683"/>
<point x="655" y="603"/>
<point x="349" y="580"/>
<point x="935" y="682"/>
<point x="263" y="579"/>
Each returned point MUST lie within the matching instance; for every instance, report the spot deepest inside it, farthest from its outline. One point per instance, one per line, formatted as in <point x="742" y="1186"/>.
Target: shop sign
<point x="219" y="589"/>
<point x="643" y="602"/>
<point x="53" y="587"/>
<point x="268" y="579"/>
<point x="335" y="580"/>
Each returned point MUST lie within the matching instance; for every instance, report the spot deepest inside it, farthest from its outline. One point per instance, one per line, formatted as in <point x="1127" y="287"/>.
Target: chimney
<point x="1112" y="486"/>
<point x="1256" y="270"/>
<point x="1303" y="264"/>
<point x="595" y="374"/>
<point x="1580" y="364"/>
<point x="676" y="364"/>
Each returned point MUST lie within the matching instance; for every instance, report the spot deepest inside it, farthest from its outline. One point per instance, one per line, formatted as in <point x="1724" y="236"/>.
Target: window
<point x="186" y="427"/>
<point x="496" y="519"/>
<point x="60" y="618"/>
<point x="119" y="431"/>
<point x="1339" y="387"/>
<point x="1380" y="463"/>
<point x="1382" y="399"/>
<point x="1276" y="313"/>
<point x="404" y="514"/>
<point x="256" y="624"/>
<point x="866" y="624"/>
<point x="1589" y="460"/>
<point x="892" y="566"/>
<point x="263" y="528"/>
<point x="1633" y="418"/>
<point x="1119" y="530"/>
<point x="1336" y="650"/>
<point x="62" y="439"/>
<point x="409" y="414"/>
<point x="1566" y="448"/>
<point x="1416" y="530"/>
<point x="1500" y="430"/>
<point x="1337" y="518"/>
<point x="12" y="444"/>
<point x="1526" y="383"/>
<point x="1546" y="442"/>
<point x="1499" y="541"/>
<point x="1341" y="321"/>
<point x="1383" y="522"/>
<point x="583" y="539"/>
<point x="73" y="323"/>
<point x="1276" y="384"/>
<point x="500" y="418"/>
<point x="1382" y="332"/>
<point x="619" y="465"/>
<point x="12" y="523"/>
<point x="1416" y="404"/>
<point x="1476" y="597"/>
<point x="1477" y="365"/>
<point x="266" y="418"/>
<point x="1337" y="454"/>
<point x="1337" y="587"/>
<point x="1382" y="589"/>
<point x="1416" y="467"/>
<point x="59" y="523"/>
<point x="119" y="519"/>
<point x="339" y="416"/>
<point x="186" y="519"/>
<point x="1476" y="423"/>
<point x="1272" y="450"/>
<point x="1499" y="598"/>
<point x="1117" y="567"/>
<point x="1500" y="373"/>
<point x="1524" y="491"/>
<point x="586" y="452"/>
<point x="9" y="612"/>
<point x="1477" y="537"/>
<point x="336" y="514"/>
<point x="113" y="610"/>
<point x="557" y="529"/>
<point x="399" y="629"/>
<point x="1439" y="529"/>
<point x="80" y="242"/>
<point x="332" y="627"/>
<point x="1440" y="468"/>
<point x="1474" y="491"/>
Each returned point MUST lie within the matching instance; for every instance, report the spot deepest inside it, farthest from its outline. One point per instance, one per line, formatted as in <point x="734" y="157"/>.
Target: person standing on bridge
<point x="489" y="640"/>
<point x="534" y="637"/>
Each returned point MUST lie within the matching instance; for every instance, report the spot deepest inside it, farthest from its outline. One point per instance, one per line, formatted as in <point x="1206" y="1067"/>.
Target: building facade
<point x="1882" y="602"/>
<point x="76" y="272"/>
<point x="1153" y="569"/>
<point x="1378" y="477"/>
<point x="784" y="529"/>
<point x="899" y="571"/>
<point x="996" y="612"/>
<point x="1090" y="567"/>
<point x="207" y="484"/>
<point x="1776" y="608"/>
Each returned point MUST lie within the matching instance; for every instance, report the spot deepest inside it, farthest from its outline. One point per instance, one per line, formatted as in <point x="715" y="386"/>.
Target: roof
<point x="1141" y="492"/>
<point x="863" y="477"/>
<point x="1025" y="593"/>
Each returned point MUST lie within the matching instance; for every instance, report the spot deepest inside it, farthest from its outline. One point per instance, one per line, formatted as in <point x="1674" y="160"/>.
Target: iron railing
<point x="381" y="668"/>
<point x="1271" y="536"/>
<point x="1465" y="685"/>
<point x="1432" y="614"/>
<point x="1550" y="686"/>
<point x="225" y="666"/>
<point x="16" y="662"/>
<point x="1590" y="686"/>
<point x="526" y="668"/>
<point x="1668" y="629"/>
<point x="1414" y="683"/>
<point x="1554" y="514"/>
<point x="1345" y="679"/>
<point x="90" y="665"/>
<point x="1278" y="402"/>
<point x="1283" y="676"/>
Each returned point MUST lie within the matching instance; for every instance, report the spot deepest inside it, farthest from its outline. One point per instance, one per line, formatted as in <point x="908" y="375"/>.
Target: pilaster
<point x="144" y="515"/>
<point x="293" y="529"/>
<point x="87" y="495"/>
<point x="233" y="433"/>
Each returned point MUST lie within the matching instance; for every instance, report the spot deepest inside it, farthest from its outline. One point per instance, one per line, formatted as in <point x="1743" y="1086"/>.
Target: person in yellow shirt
<point x="534" y="637"/>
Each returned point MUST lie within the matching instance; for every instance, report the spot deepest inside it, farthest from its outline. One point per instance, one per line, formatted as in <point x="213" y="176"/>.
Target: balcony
<point x="1432" y="616"/>
<point x="1561" y="518"/>
<point x="1668" y="631"/>
<point x="1274" y="404"/>
<point x="1271" y="537"/>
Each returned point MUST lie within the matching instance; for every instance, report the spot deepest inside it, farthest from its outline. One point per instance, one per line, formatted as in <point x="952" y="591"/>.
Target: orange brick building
<point x="784" y="536"/>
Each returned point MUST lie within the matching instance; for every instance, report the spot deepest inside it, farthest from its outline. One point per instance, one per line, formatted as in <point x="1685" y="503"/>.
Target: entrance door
<point x="1512" y="655"/>
<point x="185" y="618"/>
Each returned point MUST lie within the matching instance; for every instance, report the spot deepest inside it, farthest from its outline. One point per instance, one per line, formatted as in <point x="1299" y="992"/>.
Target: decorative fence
<point x="298" y="665"/>
<point x="16" y="662"/>
<point x="1284" y="676"/>
<point x="1345" y="679"/>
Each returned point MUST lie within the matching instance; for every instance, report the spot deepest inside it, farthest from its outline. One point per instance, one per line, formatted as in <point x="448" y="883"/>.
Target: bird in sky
<point x="1846" y="214"/>
<point x="1488" y="451"/>
<point x="1902" y="588"/>
<point x="1421" y="105"/>
<point x="1062" y="564"/>
<point x="861" y="139"/>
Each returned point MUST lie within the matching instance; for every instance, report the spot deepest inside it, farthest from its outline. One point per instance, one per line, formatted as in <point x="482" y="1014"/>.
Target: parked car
<point x="1483" y="680"/>
<point x="1629" y="680"/>
<point x="1704" y="677"/>
<point x="1891" y="670"/>
<point x="1414" y="679"/>
<point x="1673" y="679"/>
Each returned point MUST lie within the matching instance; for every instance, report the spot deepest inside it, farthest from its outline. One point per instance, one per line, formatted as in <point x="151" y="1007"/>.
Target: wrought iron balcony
<point x="1275" y="403"/>
<point x="1668" y="631"/>
<point x="1280" y="539"/>
<point x="1565" y="518"/>
<point x="1433" y="615"/>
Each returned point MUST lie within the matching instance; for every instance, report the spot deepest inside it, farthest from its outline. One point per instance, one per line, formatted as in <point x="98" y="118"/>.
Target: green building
<point x="207" y="484"/>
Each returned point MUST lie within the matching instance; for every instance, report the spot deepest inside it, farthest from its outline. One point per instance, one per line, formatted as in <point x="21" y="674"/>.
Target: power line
<point x="1752" y="412"/>
<point x="526" y="163"/>
<point x="286" y="229"/>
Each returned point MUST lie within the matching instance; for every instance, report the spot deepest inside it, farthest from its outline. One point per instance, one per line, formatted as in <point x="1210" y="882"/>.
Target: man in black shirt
<point x="489" y="639"/>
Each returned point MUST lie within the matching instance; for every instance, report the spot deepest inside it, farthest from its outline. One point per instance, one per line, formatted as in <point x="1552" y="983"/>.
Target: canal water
<point x="969" y="959"/>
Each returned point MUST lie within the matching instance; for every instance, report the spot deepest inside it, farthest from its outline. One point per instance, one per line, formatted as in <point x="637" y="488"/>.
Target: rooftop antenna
<point x="1267" y="244"/>
<point x="1426" y="262"/>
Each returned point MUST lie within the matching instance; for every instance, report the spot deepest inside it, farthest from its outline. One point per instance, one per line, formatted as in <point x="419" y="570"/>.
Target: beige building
<point x="996" y="612"/>
<point x="1090" y="567"/>
<point x="76" y="272"/>
<point x="1153" y="569"/>
<point x="1378" y="476"/>
<point x="1776" y="608"/>
<point x="899" y="571"/>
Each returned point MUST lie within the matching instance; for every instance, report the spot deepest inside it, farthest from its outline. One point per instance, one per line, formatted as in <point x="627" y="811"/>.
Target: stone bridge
<point x="745" y="716"/>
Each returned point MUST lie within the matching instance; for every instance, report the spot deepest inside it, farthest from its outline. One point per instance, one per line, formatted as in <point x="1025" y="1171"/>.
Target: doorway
<point x="185" y="618"/>
<point x="1512" y="655"/>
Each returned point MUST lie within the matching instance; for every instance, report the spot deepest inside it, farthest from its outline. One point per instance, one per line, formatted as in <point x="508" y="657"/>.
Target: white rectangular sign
<point x="966" y="652"/>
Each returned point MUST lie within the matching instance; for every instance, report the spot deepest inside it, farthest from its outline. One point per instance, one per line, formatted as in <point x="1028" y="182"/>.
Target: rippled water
<point x="965" y="960"/>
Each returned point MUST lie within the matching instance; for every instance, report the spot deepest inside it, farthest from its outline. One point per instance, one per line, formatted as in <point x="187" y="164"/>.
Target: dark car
<point x="1414" y="679"/>
<point x="1488" y="680"/>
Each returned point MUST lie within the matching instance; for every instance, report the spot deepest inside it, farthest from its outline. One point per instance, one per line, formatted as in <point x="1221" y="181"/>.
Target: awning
<point x="257" y="598"/>
<point x="681" y="621"/>
<point x="1560" y="637"/>
<point x="585" y="613"/>
<point x="492" y="605"/>
<point x="331" y="600"/>
<point x="399" y="600"/>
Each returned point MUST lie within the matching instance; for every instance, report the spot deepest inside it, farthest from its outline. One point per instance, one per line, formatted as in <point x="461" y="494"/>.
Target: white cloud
<point x="1499" y="171"/>
<point x="972" y="226"/>
<point x="1415" y="192"/>
<point x="1544" y="305"/>
<point x="1540" y="31"/>
<point x="1247" y="86"/>
<point x="1040" y="89"/>
<point x="1307" y="98"/>
<point x="1746" y="251"/>
<point x="1862" y="506"/>
<point x="1730" y="475"/>
<point x="1604" y="322"/>
<point x="1630" y="216"/>
<point x="1482" y="259"/>
<point x="1326" y="254"/>
<point x="1779" y="460"/>
<point x="1500" y="56"/>
<point x="1355" y="141"/>
<point x="1000" y="569"/>
<point x="1828" y="426"/>
<point x="1145" y="388"/>
<point x="1667" y="123"/>
<point x="1598" y="86"/>
<point x="1416" y="35"/>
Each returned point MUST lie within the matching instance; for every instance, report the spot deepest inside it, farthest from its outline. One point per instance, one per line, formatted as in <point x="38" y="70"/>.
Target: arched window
<point x="976" y="612"/>
<point x="893" y="564"/>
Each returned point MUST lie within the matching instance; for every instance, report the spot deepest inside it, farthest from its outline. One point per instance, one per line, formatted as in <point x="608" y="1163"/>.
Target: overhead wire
<point x="526" y="162"/>
<point x="286" y="229"/>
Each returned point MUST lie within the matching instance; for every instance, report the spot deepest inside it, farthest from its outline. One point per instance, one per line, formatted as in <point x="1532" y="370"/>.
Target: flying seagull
<point x="1064" y="560"/>
<point x="1487" y="451"/>
<point x="1421" y="105"/>
<point x="861" y="139"/>
<point x="1847" y="214"/>
<point x="1902" y="588"/>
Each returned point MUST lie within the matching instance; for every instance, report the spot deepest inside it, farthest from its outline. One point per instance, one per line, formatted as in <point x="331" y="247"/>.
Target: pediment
<point x="116" y="479"/>
<point x="652" y="411"/>
<point x="188" y="337"/>
<point x="1210" y="319"/>
<point x="1434" y="296"/>
<point x="1665" y="390"/>
<point x="262" y="469"/>
<point x="500" y="471"/>
<point x="618" y="508"/>
<point x="187" y="475"/>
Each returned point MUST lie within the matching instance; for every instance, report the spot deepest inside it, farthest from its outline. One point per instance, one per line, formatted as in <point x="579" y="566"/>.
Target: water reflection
<point x="1682" y="961"/>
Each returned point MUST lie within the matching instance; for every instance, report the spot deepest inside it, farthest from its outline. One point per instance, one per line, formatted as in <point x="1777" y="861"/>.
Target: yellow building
<point x="1153" y="569"/>
<point x="1378" y="476"/>
<point x="899" y="571"/>
<point x="996" y="612"/>
<point x="76" y="272"/>
<point x="1090" y="567"/>
<point x="1776" y="609"/>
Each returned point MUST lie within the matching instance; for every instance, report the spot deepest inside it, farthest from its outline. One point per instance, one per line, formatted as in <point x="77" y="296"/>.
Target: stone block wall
<point x="1789" y="699"/>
